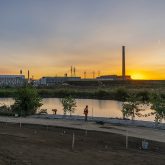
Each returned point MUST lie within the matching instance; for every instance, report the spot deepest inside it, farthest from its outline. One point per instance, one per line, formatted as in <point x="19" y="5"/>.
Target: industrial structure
<point x="123" y="63"/>
<point x="50" y="81"/>
<point x="113" y="77"/>
<point x="12" y="80"/>
<point x="19" y="80"/>
<point x="73" y="71"/>
<point x="116" y="77"/>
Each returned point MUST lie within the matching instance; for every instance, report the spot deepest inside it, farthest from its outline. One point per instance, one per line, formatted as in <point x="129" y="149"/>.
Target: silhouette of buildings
<point x="19" y="80"/>
<point x="12" y="80"/>
<point x="50" y="81"/>
<point x="113" y="77"/>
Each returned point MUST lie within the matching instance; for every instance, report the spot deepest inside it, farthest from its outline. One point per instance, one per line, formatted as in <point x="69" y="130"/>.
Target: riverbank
<point x="137" y="131"/>
<point x="105" y="120"/>
<point x="107" y="90"/>
<point x="76" y="92"/>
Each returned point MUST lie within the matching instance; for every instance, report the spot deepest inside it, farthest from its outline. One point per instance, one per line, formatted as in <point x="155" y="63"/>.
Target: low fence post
<point x="73" y="141"/>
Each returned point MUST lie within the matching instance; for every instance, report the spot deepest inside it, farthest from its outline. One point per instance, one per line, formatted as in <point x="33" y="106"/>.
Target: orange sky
<point x="47" y="37"/>
<point x="107" y="63"/>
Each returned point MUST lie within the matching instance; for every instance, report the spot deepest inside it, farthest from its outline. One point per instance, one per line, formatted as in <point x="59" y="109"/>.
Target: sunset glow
<point x="51" y="36"/>
<point x="138" y="76"/>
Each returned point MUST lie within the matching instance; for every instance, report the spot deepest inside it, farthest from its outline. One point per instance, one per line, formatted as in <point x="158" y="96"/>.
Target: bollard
<point x="20" y="123"/>
<point x="73" y="141"/>
<point x="126" y="143"/>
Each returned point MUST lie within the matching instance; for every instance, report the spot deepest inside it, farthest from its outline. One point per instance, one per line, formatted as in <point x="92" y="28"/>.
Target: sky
<point x="49" y="36"/>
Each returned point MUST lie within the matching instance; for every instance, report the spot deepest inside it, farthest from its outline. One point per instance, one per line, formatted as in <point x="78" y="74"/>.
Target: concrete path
<point x="140" y="132"/>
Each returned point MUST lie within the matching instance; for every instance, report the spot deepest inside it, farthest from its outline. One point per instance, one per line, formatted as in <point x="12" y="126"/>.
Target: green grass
<point x="118" y="90"/>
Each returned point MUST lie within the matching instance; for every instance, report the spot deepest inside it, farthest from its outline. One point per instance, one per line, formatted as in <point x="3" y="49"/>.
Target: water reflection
<point x="97" y="108"/>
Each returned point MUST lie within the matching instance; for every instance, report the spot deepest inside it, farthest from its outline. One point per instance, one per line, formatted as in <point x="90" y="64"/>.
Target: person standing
<point x="86" y="113"/>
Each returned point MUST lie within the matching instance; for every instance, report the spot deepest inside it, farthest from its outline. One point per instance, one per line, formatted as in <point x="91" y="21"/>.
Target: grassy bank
<point x="116" y="90"/>
<point x="7" y="92"/>
<point x="99" y="93"/>
<point x="77" y="92"/>
<point x="109" y="90"/>
<point x="64" y="91"/>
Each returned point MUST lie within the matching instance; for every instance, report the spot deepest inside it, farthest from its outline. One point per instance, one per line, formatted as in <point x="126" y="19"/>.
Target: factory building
<point x="107" y="77"/>
<point x="113" y="77"/>
<point x="50" y="81"/>
<point x="12" y="80"/>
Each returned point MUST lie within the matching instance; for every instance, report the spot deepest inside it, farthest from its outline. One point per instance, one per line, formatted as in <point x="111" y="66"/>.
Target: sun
<point x="137" y="76"/>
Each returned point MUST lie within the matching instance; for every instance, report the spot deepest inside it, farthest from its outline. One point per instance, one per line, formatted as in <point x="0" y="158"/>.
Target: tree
<point x="158" y="106"/>
<point x="27" y="101"/>
<point x="131" y="107"/>
<point x="69" y="105"/>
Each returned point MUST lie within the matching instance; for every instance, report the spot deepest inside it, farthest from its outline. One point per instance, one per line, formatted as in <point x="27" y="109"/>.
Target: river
<point x="97" y="108"/>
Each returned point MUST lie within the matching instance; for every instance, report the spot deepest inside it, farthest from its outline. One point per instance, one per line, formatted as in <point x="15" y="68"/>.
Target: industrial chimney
<point x="28" y="75"/>
<point x="123" y="62"/>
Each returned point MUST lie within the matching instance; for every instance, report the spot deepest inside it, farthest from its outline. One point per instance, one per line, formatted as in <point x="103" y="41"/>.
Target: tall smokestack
<point x="123" y="62"/>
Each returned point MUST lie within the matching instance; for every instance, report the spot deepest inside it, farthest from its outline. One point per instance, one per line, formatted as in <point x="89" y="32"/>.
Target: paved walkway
<point x="140" y="132"/>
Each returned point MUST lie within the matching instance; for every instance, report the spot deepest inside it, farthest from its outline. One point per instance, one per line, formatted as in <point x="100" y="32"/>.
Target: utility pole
<point x="28" y="76"/>
<point x="85" y="74"/>
<point x="71" y="70"/>
<point x="74" y="71"/>
<point x="123" y="62"/>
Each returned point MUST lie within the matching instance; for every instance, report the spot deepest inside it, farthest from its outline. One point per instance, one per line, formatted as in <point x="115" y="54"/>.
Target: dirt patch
<point x="45" y="145"/>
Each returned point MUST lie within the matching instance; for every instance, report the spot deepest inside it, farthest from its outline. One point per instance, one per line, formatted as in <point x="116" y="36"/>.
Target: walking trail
<point x="139" y="132"/>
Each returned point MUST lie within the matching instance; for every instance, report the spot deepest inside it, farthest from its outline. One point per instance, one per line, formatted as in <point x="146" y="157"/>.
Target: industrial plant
<point x="50" y="81"/>
<point x="20" y="80"/>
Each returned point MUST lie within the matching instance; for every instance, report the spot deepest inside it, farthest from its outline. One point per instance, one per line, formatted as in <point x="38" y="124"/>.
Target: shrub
<point x="158" y="106"/>
<point x="27" y="101"/>
<point x="69" y="104"/>
<point x="131" y="107"/>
